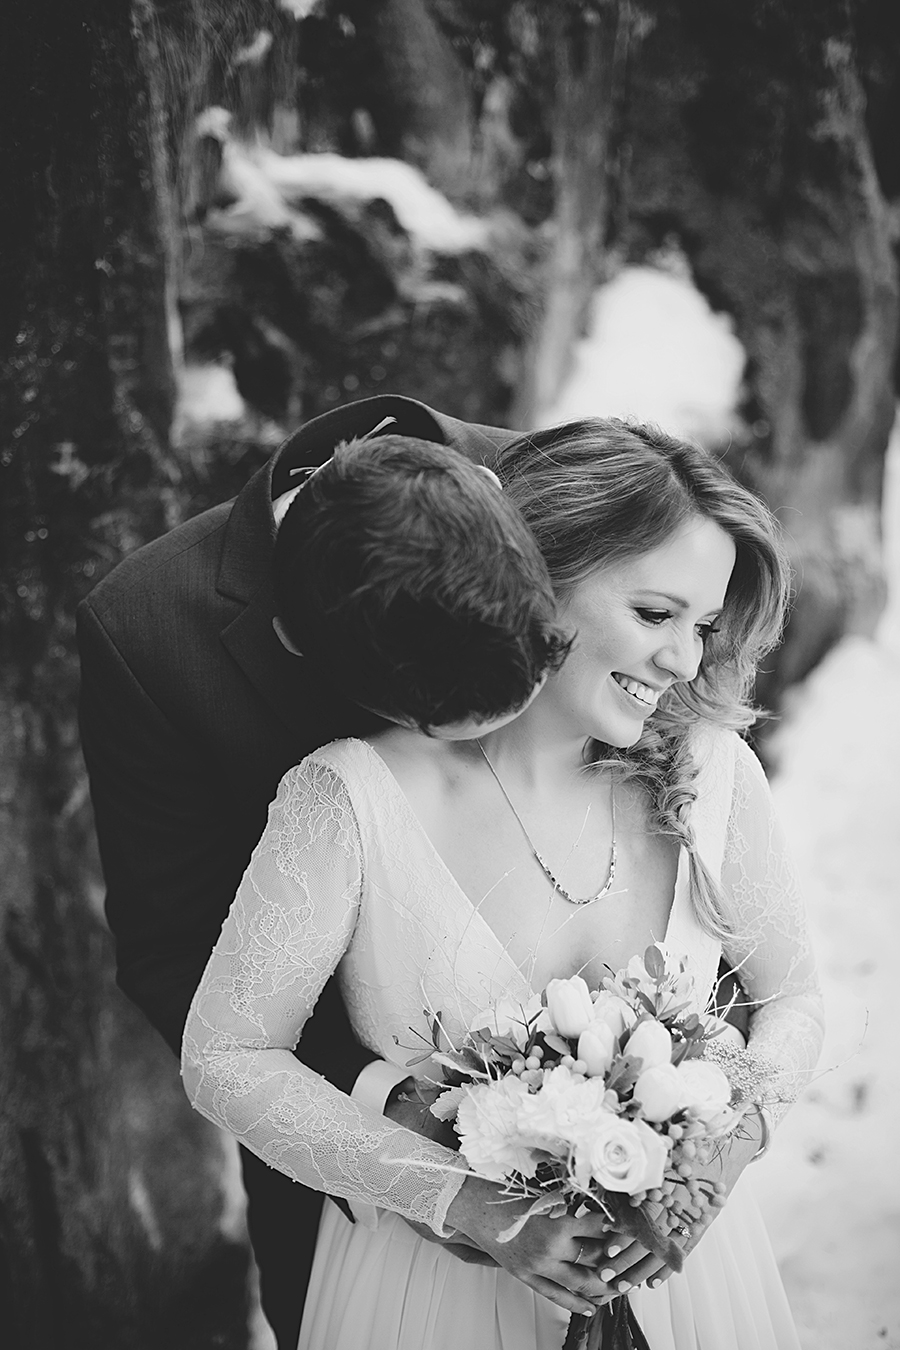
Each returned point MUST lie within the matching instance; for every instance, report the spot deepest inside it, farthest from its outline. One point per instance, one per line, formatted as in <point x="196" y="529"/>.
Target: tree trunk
<point x="748" y="142"/>
<point x="111" y="1206"/>
<point x="588" y="49"/>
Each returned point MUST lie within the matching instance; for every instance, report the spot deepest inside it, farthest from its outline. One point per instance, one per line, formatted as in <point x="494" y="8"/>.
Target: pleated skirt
<point x="387" y="1289"/>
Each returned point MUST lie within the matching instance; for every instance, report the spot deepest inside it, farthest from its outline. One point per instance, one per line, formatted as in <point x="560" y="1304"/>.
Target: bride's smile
<point x="640" y="627"/>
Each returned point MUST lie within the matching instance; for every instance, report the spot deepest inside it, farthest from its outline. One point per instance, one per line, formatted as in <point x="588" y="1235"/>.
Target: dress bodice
<point x="345" y="877"/>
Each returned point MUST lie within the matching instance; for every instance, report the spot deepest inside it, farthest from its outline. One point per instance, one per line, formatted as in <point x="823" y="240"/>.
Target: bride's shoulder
<point x="720" y="749"/>
<point x="339" y="763"/>
<point x="726" y="760"/>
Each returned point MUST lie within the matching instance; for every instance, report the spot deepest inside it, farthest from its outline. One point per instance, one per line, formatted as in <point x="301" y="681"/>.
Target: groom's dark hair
<point x="415" y="585"/>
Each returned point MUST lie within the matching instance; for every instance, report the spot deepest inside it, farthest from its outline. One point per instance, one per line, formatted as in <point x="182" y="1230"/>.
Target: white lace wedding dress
<point x="345" y="876"/>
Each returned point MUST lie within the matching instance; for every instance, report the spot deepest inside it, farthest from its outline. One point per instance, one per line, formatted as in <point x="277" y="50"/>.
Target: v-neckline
<point x="395" y="786"/>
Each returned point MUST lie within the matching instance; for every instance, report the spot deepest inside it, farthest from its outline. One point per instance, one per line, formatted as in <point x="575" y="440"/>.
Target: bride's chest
<point x="548" y="935"/>
<point x="481" y="862"/>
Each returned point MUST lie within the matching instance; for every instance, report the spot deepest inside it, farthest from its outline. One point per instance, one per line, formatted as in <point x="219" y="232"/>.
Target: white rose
<point x="488" y="1129"/>
<point x="597" y="1046"/>
<point x="706" y="1090"/>
<point x="659" y="1092"/>
<point x="570" y="1006"/>
<point x="651" y="1043"/>
<point x="621" y="1155"/>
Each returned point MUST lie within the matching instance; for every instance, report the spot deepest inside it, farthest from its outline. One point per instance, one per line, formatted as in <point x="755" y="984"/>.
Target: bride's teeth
<point x="641" y="691"/>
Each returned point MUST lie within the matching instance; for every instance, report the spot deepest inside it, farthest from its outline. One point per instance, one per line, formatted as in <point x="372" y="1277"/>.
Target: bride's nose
<point x="680" y="654"/>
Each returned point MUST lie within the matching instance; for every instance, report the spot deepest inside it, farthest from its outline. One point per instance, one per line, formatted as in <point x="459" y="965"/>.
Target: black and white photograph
<point x="449" y="675"/>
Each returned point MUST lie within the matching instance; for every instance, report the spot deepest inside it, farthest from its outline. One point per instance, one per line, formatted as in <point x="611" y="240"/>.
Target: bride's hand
<point x="555" y="1257"/>
<point x="626" y="1263"/>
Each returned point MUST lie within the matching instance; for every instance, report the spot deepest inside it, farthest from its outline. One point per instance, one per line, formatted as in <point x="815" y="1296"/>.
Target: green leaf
<point x="655" y="963"/>
<point x="623" y="1074"/>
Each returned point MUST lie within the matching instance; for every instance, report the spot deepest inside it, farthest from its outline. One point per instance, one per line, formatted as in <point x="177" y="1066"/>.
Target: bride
<point x="443" y="866"/>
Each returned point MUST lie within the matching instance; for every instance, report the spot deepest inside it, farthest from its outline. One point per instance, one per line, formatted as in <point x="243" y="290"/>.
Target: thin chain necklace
<point x="554" y="882"/>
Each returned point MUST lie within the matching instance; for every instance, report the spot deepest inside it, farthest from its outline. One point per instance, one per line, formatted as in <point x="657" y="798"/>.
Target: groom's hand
<point x="403" y="1107"/>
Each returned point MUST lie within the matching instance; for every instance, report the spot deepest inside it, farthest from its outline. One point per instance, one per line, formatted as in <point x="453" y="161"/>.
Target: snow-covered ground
<point x="830" y="1186"/>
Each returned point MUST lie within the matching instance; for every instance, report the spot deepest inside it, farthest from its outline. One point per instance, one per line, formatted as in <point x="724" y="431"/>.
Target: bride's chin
<point x="620" y="738"/>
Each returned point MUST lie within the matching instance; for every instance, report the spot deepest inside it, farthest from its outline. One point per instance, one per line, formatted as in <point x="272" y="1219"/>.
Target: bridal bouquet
<point x="603" y="1100"/>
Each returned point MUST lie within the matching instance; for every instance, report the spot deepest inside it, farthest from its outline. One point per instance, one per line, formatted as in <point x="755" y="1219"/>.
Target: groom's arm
<point x="173" y="845"/>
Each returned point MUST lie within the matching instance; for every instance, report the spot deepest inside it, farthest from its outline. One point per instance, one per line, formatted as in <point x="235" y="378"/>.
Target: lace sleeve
<point x="291" y="921"/>
<point x="771" y="950"/>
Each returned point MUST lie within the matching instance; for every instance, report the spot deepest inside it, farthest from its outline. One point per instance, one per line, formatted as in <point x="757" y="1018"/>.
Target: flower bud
<point x="651" y="1043"/>
<point x="596" y="1047"/>
<point x="569" y="1005"/>
<point x="614" y="1011"/>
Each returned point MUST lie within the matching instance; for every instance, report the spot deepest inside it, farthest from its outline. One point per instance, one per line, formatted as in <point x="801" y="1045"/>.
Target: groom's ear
<point x="489" y="473"/>
<point x="281" y="634"/>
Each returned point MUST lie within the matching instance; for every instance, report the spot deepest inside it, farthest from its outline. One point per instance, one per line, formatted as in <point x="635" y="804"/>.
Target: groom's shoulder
<point x="162" y="598"/>
<point x="184" y="559"/>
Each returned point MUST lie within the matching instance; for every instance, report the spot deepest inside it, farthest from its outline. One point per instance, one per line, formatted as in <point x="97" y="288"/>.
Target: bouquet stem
<point x="614" y="1327"/>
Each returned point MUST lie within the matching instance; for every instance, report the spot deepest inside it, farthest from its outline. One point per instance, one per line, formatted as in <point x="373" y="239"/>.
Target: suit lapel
<point x="275" y="673"/>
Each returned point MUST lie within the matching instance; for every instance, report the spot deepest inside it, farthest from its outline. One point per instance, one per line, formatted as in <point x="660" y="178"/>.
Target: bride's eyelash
<point x="659" y="616"/>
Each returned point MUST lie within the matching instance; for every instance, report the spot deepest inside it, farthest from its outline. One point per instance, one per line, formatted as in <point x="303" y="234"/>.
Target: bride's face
<point x="640" y="627"/>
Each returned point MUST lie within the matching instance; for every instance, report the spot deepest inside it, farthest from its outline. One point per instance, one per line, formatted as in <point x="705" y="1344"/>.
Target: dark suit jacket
<point x="191" y="712"/>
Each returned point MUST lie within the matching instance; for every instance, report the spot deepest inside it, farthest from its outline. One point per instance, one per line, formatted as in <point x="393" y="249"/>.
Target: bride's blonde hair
<point x="600" y="491"/>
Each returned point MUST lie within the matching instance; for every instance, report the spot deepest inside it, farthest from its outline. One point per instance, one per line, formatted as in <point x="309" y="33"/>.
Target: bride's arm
<point x="290" y="923"/>
<point x="771" y="948"/>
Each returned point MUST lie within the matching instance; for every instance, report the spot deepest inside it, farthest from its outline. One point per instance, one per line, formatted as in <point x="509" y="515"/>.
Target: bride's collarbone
<point x="484" y="848"/>
<point x="544" y="933"/>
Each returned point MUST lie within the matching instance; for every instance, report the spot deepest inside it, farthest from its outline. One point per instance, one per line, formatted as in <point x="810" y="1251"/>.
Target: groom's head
<point x="413" y="583"/>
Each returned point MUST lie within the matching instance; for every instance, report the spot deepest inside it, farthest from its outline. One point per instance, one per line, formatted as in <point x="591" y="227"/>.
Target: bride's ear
<point x="283" y="638"/>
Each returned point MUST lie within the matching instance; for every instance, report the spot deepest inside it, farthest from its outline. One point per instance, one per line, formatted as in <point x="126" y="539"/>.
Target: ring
<point x="577" y="1261"/>
<point x="684" y="1231"/>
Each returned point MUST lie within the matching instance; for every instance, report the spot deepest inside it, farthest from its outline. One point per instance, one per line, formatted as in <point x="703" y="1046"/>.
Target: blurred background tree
<point x="222" y="217"/>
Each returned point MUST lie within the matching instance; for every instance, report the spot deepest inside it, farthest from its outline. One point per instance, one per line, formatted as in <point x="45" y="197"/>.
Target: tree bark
<point x="748" y="143"/>
<point x="588" y="48"/>
<point x="110" y="1189"/>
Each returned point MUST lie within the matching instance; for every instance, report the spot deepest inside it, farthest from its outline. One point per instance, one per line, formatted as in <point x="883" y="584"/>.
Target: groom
<point x="191" y="712"/>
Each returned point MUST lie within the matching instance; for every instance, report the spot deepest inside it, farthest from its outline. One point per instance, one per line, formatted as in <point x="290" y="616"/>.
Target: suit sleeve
<point x="173" y="847"/>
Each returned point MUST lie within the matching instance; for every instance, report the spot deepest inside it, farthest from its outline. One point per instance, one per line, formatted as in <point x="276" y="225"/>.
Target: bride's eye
<point x="654" y="616"/>
<point x="707" y="629"/>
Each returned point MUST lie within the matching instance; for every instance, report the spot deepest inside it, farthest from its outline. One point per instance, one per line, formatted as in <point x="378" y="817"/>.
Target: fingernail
<point x="651" y="1284"/>
<point x="614" y="1250"/>
<point x="608" y="1275"/>
<point x="623" y="1286"/>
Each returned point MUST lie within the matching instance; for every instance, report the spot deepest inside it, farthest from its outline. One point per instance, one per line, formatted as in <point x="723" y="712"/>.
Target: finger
<point x="641" y="1273"/>
<point x="589" y="1252"/>
<point x="615" y="1266"/>
<point x="587" y="1283"/>
<point x="559" y="1294"/>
